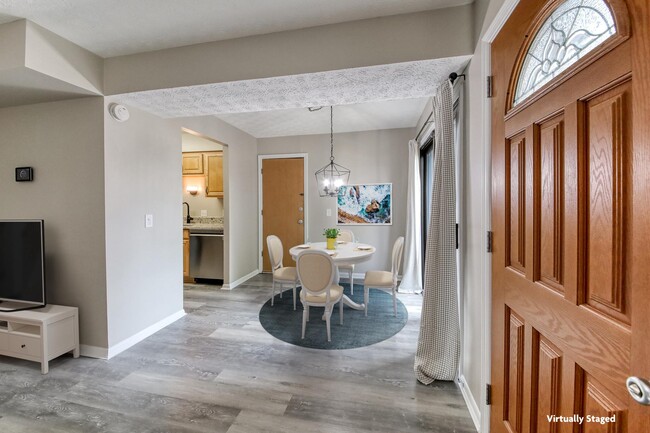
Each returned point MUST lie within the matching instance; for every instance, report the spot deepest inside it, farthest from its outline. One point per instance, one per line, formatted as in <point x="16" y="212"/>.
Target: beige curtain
<point x="439" y="341"/>
<point x="412" y="270"/>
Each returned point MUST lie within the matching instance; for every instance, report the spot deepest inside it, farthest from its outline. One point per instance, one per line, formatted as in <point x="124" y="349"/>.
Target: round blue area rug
<point x="281" y="321"/>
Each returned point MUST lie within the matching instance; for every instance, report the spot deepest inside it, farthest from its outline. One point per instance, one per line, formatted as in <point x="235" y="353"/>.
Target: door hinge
<point x="262" y="212"/>
<point x="489" y="86"/>
<point x="489" y="241"/>
<point x="456" y="235"/>
<point x="488" y="394"/>
<point x="262" y="253"/>
<point x="261" y="171"/>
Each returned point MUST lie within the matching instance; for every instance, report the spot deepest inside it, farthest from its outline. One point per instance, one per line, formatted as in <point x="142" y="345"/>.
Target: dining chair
<point x="317" y="272"/>
<point x="347" y="236"/>
<point x="384" y="280"/>
<point x="281" y="274"/>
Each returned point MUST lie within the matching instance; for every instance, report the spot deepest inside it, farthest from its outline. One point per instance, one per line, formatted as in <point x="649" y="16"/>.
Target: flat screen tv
<point x="22" y="262"/>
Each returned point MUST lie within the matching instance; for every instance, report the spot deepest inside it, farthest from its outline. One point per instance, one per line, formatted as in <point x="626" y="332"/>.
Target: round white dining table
<point x="346" y="253"/>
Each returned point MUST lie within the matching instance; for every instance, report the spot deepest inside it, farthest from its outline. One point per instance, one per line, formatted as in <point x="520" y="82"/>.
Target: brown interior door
<point x="569" y="210"/>
<point x="283" y="204"/>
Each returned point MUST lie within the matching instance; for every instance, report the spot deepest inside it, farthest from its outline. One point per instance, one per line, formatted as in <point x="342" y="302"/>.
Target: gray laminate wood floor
<point x="217" y="370"/>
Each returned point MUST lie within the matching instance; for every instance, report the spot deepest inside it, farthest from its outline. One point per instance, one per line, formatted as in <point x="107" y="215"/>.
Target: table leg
<point x="350" y="303"/>
<point x="347" y="301"/>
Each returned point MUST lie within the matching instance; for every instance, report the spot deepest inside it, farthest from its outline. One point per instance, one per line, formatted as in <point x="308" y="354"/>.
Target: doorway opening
<point x="204" y="206"/>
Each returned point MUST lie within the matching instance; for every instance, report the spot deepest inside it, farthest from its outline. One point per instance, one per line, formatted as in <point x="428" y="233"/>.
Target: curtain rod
<point x="452" y="77"/>
<point x="426" y="122"/>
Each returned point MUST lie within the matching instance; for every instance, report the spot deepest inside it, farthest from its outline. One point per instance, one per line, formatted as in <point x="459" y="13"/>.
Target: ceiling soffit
<point x="349" y="86"/>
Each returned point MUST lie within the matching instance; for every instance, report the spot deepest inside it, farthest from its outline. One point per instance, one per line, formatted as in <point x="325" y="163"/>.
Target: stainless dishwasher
<point x="206" y="256"/>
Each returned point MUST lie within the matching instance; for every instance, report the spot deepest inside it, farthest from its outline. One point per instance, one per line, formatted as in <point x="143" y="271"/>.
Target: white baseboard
<point x="474" y="411"/>
<point x="93" y="351"/>
<point x="108" y="353"/>
<point x="240" y="280"/>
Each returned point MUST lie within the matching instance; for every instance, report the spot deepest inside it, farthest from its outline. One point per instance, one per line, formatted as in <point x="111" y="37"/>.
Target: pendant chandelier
<point x="333" y="176"/>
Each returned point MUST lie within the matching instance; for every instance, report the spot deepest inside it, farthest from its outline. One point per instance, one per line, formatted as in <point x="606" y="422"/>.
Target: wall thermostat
<point x="24" y="174"/>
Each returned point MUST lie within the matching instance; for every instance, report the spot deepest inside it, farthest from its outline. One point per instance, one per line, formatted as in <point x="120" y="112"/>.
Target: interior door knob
<point x="639" y="389"/>
<point x="300" y="221"/>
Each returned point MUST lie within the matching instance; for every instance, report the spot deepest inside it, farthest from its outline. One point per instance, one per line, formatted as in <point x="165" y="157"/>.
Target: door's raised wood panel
<point x="591" y="339"/>
<point x="549" y="221"/>
<point x="594" y="403"/>
<point x="516" y="202"/>
<point x="608" y="122"/>
<point x="514" y="372"/>
<point x="546" y="389"/>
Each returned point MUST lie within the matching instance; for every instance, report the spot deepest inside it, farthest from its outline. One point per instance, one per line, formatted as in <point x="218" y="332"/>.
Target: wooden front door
<point x="570" y="205"/>
<point x="283" y="205"/>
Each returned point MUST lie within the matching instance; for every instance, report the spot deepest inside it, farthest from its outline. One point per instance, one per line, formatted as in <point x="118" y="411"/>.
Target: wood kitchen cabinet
<point x="214" y="181"/>
<point x="193" y="163"/>
<point x="186" y="256"/>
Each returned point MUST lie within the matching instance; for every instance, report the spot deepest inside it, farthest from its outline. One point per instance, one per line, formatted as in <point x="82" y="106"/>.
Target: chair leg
<point x="341" y="309"/>
<point x="366" y="297"/>
<point x="272" y="292"/>
<point x="394" y="302"/>
<point x="327" y="321"/>
<point x="281" y="288"/>
<point x="351" y="283"/>
<point x="305" y="315"/>
<point x="294" y="296"/>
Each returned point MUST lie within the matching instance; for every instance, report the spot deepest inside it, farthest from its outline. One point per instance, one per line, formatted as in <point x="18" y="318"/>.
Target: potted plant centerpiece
<point x="331" y="235"/>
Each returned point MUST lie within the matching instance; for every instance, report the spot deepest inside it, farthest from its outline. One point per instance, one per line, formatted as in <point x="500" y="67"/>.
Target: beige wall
<point x="12" y="45"/>
<point x="63" y="141"/>
<point x="394" y="39"/>
<point x="59" y="58"/>
<point x="143" y="265"/>
<point x="476" y="214"/>
<point x="373" y="157"/>
<point x="474" y="205"/>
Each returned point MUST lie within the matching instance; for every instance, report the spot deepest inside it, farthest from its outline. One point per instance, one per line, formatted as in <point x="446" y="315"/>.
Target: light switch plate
<point x="148" y="221"/>
<point x="328" y="212"/>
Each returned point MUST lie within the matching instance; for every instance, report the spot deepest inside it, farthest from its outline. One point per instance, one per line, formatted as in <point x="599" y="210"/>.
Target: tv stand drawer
<point x="25" y="345"/>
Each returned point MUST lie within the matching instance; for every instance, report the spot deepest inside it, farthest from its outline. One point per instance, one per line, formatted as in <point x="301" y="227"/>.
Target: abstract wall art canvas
<point x="368" y="204"/>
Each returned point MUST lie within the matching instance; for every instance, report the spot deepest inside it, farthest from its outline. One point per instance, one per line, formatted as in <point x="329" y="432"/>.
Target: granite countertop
<point x="205" y="225"/>
<point x="204" y="228"/>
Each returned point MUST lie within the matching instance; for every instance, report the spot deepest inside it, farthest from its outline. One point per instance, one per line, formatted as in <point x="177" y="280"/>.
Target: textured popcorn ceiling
<point x="350" y="86"/>
<point x="111" y="28"/>
<point x="370" y="116"/>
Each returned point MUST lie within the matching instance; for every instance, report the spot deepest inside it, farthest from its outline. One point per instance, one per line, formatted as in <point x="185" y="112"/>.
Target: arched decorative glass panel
<point x="575" y="28"/>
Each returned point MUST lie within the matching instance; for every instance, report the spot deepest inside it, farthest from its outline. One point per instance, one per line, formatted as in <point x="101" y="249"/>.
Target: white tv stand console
<point x="40" y="335"/>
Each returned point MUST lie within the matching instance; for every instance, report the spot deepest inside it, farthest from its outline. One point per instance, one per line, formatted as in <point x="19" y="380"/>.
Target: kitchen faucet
<point x="189" y="219"/>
